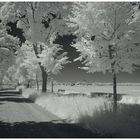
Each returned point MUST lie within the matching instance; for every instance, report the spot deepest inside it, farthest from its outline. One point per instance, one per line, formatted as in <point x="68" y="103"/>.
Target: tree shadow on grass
<point x="9" y="92"/>
<point x="13" y="96"/>
<point x="43" y="130"/>
<point x="15" y="99"/>
<point x="6" y="95"/>
<point x="125" y="123"/>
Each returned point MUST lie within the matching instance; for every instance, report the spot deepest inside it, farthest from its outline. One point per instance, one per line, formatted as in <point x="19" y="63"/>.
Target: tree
<point x="106" y="40"/>
<point x="6" y="59"/>
<point x="25" y="68"/>
<point x="48" y="59"/>
<point x="8" y="43"/>
<point x="42" y="23"/>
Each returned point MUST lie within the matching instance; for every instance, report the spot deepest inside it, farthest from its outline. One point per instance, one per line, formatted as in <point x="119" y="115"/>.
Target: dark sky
<point x="71" y="73"/>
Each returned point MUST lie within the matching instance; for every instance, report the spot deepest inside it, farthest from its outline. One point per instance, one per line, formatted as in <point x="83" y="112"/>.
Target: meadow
<point x="121" y="89"/>
<point x="93" y="113"/>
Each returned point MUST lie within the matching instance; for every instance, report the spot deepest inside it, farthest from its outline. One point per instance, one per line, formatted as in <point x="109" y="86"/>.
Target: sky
<point x="71" y="72"/>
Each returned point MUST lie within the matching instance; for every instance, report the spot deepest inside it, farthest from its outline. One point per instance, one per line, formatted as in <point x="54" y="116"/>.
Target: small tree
<point x="106" y="41"/>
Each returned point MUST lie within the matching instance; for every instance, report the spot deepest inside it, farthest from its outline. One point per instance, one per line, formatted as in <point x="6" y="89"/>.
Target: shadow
<point x="70" y="95"/>
<point x="9" y="92"/>
<point x="43" y="130"/>
<point x="13" y="96"/>
<point x="125" y="123"/>
<point x="3" y="95"/>
<point x="2" y="89"/>
<point x="106" y="95"/>
<point x="15" y="99"/>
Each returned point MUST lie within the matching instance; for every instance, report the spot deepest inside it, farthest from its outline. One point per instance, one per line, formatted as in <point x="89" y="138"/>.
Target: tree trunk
<point x="28" y="84"/>
<point x="111" y="52"/>
<point x="37" y="84"/>
<point x="114" y="93"/>
<point x="44" y="73"/>
<point x="44" y="79"/>
<point x="52" y="86"/>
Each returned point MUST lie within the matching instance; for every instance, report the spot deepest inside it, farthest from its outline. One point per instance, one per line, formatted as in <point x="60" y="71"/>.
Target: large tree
<point x="106" y="39"/>
<point x="42" y="23"/>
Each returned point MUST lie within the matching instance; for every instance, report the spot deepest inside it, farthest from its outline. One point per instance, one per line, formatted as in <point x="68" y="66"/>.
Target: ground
<point x="19" y="117"/>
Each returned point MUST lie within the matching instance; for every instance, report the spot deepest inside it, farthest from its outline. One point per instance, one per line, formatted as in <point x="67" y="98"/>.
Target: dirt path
<point x="20" y="117"/>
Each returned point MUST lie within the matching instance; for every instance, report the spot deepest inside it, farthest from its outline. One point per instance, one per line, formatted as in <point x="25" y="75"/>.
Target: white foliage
<point x="51" y="59"/>
<point x="6" y="60"/>
<point x="8" y="43"/>
<point x="42" y="23"/>
<point x="27" y="64"/>
<point x="102" y="25"/>
<point x="6" y="12"/>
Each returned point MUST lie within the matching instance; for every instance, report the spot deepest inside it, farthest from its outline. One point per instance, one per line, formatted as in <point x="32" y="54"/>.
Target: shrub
<point x="20" y="87"/>
<point x="128" y="99"/>
<point x="124" y="123"/>
<point x="33" y="96"/>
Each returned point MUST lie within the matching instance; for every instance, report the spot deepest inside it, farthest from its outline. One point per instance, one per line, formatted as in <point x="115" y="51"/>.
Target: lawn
<point x="121" y="89"/>
<point x="71" y="108"/>
<point x="94" y="113"/>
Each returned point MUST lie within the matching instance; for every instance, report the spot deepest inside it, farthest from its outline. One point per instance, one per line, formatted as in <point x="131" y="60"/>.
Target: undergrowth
<point x="124" y="123"/>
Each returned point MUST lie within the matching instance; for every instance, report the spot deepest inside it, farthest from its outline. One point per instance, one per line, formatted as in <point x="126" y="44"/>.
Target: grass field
<point x="94" y="113"/>
<point x="71" y="108"/>
<point x="130" y="89"/>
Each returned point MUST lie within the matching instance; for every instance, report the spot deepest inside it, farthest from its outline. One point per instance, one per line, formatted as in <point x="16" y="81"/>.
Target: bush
<point x="32" y="94"/>
<point x="124" y="123"/>
<point x="20" y="87"/>
<point x="33" y="97"/>
<point x="128" y="99"/>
